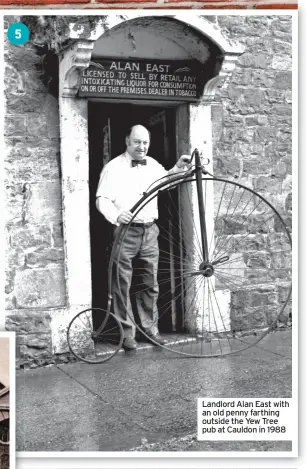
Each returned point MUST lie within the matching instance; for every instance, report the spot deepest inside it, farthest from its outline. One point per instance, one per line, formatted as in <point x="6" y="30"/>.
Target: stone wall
<point x="252" y="115"/>
<point x="251" y="141"/>
<point x="35" y="280"/>
<point x="253" y="145"/>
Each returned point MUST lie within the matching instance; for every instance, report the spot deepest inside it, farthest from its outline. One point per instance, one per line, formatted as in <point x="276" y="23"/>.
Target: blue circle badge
<point x="18" y="33"/>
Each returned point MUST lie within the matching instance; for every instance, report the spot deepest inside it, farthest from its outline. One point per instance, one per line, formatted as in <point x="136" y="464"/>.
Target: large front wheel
<point x="231" y="301"/>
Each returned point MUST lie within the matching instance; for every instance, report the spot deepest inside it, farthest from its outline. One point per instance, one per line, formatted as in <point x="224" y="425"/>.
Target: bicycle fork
<point x="201" y="206"/>
<point x="206" y="268"/>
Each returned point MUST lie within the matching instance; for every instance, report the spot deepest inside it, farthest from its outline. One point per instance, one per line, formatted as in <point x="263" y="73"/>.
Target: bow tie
<point x="136" y="162"/>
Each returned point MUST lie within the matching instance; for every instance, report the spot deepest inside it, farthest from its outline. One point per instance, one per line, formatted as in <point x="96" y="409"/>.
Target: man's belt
<point x="143" y="225"/>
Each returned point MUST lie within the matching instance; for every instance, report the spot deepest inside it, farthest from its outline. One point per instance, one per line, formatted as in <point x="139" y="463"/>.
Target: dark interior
<point x="108" y="124"/>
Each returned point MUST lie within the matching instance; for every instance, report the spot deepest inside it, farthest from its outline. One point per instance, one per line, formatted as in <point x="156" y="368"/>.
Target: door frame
<point x="100" y="229"/>
<point x="75" y="153"/>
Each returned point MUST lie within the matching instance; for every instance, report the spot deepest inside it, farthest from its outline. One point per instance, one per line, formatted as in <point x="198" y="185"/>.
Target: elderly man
<point x="122" y="183"/>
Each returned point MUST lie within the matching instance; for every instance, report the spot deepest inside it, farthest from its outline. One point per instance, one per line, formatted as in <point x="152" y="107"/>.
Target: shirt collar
<point x="128" y="156"/>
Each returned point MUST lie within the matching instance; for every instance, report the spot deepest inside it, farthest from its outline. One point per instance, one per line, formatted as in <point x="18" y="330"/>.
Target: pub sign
<point x="175" y="80"/>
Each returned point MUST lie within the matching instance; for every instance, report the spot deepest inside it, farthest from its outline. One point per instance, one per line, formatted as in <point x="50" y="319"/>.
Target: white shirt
<point x="121" y="186"/>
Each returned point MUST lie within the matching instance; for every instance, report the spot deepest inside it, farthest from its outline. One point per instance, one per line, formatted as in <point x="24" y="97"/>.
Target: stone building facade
<point x="249" y="121"/>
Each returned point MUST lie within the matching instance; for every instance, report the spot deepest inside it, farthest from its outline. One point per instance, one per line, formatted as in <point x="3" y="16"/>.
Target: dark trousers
<point x="139" y="244"/>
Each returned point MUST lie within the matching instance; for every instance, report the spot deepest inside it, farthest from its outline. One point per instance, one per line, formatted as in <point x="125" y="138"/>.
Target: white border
<point x="12" y="385"/>
<point x="129" y="459"/>
<point x="295" y="160"/>
<point x="12" y="337"/>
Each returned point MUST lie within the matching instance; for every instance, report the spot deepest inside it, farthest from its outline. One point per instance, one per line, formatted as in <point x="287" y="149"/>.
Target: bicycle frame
<point x="204" y="266"/>
<point x="198" y="171"/>
<point x="201" y="206"/>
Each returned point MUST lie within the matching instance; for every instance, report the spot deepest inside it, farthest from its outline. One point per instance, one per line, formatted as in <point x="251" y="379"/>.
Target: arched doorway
<point x="137" y="36"/>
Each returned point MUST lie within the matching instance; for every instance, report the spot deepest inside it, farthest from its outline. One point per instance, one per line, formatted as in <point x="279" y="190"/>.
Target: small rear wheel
<point x="94" y="346"/>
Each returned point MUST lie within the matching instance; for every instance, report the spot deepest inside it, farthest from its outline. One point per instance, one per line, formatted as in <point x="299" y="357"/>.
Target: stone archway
<point x="74" y="144"/>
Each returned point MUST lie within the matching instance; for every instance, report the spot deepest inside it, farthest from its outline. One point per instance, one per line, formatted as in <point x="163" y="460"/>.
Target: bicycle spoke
<point x="214" y="320"/>
<point x="217" y="254"/>
<point x="249" y="247"/>
<point x="220" y="254"/>
<point x="219" y="310"/>
<point x="197" y="239"/>
<point x="238" y="216"/>
<point x="90" y="346"/>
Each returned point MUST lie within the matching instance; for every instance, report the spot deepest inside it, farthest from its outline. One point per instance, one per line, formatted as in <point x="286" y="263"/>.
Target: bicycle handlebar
<point x="196" y="154"/>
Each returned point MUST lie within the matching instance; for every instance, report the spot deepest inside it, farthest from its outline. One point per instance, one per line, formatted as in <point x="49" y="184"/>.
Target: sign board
<point x="142" y="79"/>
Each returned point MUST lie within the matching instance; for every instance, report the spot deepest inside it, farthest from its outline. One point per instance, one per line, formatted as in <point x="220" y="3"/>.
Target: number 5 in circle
<point x="18" y="33"/>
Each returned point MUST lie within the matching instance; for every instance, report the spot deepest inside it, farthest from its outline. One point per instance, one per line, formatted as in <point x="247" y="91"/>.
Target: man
<point x="122" y="183"/>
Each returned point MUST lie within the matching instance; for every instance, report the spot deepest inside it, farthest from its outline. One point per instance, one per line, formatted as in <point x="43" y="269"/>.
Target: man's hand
<point x="184" y="161"/>
<point x="125" y="217"/>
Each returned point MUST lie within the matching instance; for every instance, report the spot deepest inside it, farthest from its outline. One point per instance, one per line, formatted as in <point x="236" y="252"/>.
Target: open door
<point x="108" y="124"/>
<point x="162" y="128"/>
<point x="100" y="230"/>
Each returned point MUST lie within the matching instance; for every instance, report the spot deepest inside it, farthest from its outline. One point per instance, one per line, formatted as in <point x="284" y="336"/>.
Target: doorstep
<point x="143" y="345"/>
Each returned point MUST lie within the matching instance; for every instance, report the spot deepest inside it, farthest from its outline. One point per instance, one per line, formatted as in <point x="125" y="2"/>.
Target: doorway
<point x="108" y="124"/>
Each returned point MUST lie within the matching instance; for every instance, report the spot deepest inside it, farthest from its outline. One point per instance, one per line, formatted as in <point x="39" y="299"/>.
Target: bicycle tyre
<point x="85" y="345"/>
<point x="208" y="341"/>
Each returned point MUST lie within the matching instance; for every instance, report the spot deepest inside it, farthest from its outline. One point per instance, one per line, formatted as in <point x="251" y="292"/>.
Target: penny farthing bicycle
<point x="224" y="271"/>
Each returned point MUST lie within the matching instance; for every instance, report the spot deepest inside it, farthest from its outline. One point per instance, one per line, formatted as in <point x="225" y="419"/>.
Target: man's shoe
<point x="157" y="338"/>
<point x="129" y="344"/>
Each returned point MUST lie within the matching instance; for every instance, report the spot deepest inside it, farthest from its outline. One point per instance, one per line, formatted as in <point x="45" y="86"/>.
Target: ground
<point x="146" y="402"/>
